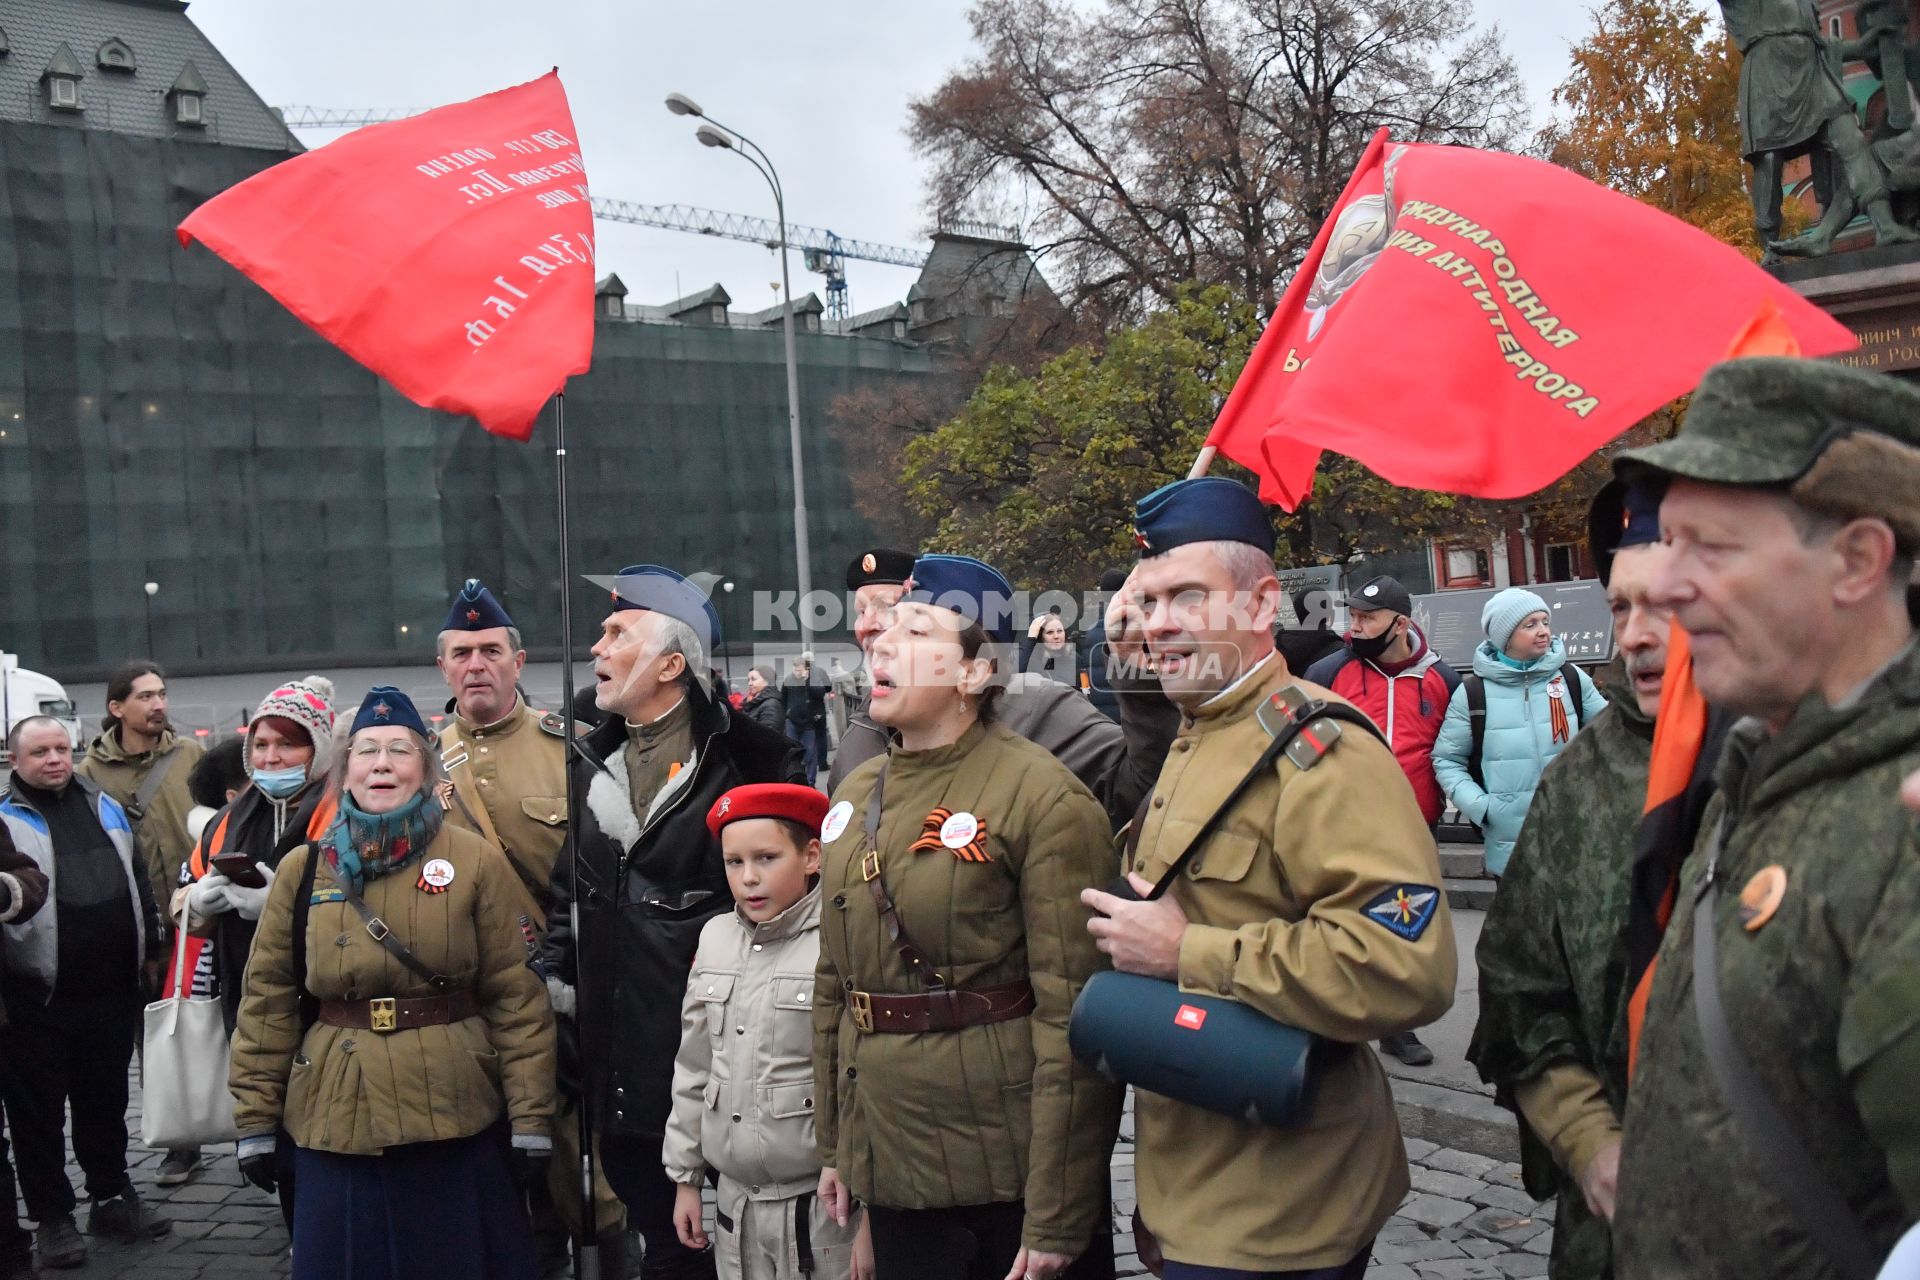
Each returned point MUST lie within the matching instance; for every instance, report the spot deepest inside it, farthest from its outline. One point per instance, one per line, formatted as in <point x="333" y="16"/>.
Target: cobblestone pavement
<point x="1465" y="1219"/>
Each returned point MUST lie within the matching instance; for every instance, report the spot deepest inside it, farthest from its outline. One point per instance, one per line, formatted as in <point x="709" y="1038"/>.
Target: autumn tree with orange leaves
<point x="1649" y="111"/>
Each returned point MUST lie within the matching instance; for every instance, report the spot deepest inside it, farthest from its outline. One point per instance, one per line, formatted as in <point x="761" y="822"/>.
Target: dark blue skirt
<point x="431" y="1209"/>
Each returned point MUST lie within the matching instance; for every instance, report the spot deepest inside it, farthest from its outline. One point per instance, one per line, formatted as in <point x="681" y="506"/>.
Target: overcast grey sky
<point x="823" y="87"/>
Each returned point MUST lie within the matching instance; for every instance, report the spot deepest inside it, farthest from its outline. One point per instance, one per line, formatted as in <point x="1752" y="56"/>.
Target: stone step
<point x="1457" y="1118"/>
<point x="1470" y="895"/>
<point x="1462" y="864"/>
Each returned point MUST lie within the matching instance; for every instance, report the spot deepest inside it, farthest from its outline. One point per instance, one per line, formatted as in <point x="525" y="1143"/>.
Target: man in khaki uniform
<point x="139" y="762"/>
<point x="506" y="763"/>
<point x="1317" y="901"/>
<point x="506" y="782"/>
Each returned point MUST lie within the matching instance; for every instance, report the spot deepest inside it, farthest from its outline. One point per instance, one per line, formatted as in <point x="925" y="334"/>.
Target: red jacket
<point x="1408" y="700"/>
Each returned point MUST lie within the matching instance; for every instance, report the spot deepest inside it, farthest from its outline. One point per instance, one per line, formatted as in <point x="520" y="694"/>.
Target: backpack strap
<point x="1476" y="688"/>
<point x="1579" y="686"/>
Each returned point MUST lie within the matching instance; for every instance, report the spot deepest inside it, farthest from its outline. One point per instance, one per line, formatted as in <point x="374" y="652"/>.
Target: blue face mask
<point x="280" y="783"/>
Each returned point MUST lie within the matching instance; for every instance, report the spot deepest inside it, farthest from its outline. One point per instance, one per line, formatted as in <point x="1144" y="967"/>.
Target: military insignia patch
<point x="1405" y="909"/>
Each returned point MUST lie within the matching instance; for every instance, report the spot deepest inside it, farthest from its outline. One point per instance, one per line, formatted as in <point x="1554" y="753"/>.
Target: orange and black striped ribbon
<point x="1668" y="828"/>
<point x="930" y="831"/>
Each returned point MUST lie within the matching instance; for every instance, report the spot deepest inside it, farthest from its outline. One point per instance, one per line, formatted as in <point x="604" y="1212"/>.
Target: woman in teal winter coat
<point x="1531" y="689"/>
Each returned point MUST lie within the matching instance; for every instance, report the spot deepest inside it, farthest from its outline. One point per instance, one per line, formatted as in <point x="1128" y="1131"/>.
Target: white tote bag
<point x="183" y="1071"/>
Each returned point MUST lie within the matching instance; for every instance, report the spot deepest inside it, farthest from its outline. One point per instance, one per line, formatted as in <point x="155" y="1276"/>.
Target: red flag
<point x="451" y="253"/>
<point x="1478" y="323"/>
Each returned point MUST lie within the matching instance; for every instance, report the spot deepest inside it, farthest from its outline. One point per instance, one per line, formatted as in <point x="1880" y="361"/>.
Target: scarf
<point x="362" y="846"/>
<point x="1687" y="739"/>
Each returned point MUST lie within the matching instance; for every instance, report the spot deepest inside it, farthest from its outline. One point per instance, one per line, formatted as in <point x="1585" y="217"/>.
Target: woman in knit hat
<point x="288" y="750"/>
<point x="1534" y="701"/>
<point x="393" y="1029"/>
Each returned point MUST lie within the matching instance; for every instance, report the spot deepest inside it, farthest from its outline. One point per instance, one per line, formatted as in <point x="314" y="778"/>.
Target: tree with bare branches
<point x="1149" y="143"/>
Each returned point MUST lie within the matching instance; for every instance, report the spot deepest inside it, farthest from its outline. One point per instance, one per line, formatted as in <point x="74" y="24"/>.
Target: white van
<point x="28" y="693"/>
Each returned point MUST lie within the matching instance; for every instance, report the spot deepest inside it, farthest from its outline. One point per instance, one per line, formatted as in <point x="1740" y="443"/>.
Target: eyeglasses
<point x="399" y="752"/>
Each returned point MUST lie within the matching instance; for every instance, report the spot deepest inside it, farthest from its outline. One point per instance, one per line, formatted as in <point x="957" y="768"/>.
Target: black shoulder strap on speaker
<point x="1299" y="719"/>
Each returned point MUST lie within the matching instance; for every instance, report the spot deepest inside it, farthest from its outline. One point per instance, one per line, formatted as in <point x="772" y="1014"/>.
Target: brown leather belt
<point x="388" y="1014"/>
<point x="946" y="1010"/>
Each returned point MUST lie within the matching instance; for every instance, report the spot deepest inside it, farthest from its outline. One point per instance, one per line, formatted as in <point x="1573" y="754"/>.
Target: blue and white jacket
<point x="33" y="945"/>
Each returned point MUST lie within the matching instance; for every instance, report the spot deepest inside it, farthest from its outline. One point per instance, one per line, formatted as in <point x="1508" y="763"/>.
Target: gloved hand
<point x="259" y="1170"/>
<point x="529" y="1165"/>
<point x="208" y="896"/>
<point x="248" y="902"/>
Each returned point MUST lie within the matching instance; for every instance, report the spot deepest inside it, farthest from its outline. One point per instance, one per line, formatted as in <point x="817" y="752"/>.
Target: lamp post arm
<point x="771" y="173"/>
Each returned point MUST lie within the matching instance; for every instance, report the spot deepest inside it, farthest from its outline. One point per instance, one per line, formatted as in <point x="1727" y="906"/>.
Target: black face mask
<point x="1370" y="648"/>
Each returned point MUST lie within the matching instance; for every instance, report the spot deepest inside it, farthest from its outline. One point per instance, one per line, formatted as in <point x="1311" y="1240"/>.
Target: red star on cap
<point x="473" y="615"/>
<point x="382" y="710"/>
<point x="1140" y="541"/>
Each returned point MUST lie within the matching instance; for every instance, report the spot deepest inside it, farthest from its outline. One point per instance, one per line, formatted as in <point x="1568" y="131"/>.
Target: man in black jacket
<point x="805" y="695"/>
<point x="649" y="876"/>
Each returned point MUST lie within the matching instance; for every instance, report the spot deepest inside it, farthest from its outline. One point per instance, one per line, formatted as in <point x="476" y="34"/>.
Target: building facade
<point x="187" y="471"/>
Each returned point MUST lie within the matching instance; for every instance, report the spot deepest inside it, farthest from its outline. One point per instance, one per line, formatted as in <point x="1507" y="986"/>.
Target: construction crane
<point x="821" y="250"/>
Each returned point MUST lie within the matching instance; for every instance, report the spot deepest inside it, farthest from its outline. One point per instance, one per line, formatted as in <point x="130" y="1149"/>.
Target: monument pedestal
<point x="1874" y="292"/>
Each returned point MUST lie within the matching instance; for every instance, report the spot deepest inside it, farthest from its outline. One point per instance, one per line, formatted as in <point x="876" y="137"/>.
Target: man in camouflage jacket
<point x="1552" y="1035"/>
<point x="1792" y="516"/>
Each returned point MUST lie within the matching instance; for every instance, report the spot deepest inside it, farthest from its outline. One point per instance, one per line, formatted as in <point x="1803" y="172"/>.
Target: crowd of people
<point x="832" y="1014"/>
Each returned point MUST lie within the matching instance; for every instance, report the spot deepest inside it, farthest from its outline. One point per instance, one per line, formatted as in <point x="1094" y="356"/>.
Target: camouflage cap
<point x="1834" y="438"/>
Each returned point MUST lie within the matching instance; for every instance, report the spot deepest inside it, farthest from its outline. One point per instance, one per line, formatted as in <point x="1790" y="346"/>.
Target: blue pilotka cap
<point x="974" y="590"/>
<point x="385" y="707"/>
<point x="475" y="609"/>
<point x="1202" y="509"/>
<point x="655" y="589"/>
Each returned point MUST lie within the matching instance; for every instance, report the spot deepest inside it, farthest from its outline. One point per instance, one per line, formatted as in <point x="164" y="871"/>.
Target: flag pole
<point x="586" y="1247"/>
<point x="1202" y="462"/>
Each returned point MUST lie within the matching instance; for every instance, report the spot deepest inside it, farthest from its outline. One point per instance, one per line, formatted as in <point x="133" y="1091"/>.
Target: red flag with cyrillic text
<point x="451" y="253"/>
<point x="1478" y="323"/>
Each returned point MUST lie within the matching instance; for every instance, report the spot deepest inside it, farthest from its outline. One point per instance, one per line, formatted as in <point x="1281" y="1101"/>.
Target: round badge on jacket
<point x="836" y="822"/>
<point x="438" y="873"/>
<point x="958" y="831"/>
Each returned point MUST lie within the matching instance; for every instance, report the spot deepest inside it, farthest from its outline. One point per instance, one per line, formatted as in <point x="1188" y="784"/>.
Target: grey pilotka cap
<point x="1833" y="438"/>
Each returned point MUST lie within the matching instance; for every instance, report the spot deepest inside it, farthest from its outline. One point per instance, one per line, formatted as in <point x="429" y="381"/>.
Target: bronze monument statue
<point x="1792" y="104"/>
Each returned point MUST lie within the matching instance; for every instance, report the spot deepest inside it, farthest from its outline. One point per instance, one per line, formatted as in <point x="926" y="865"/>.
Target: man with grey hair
<point x="507" y="783"/>
<point x="649" y="876"/>
<point x="506" y="763"/>
<point x="1312" y="896"/>
<point x="72" y="983"/>
<point x="1769" y="1130"/>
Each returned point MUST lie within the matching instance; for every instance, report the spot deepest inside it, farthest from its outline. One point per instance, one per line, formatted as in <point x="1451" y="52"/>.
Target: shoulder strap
<point x="1476" y="688"/>
<point x="150" y="785"/>
<point x="1782" y="1159"/>
<point x="382" y="933"/>
<point x="911" y="955"/>
<point x="1577" y="686"/>
<point x="302" y="902"/>
<point x="1301" y="717"/>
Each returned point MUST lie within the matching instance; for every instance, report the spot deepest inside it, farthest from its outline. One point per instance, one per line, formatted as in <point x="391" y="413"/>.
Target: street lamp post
<point x="727" y="605"/>
<point x="714" y="134"/>
<point x="152" y="589"/>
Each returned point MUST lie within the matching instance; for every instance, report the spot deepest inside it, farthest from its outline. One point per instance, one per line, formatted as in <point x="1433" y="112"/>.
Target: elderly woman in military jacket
<point x="396" y="1030"/>
<point x="947" y="1098"/>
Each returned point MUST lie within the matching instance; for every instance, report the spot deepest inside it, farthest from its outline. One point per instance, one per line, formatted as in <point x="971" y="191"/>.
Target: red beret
<point x="788" y="800"/>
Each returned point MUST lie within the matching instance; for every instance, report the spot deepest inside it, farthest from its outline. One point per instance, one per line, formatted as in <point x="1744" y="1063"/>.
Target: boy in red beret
<point x="743" y="1080"/>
